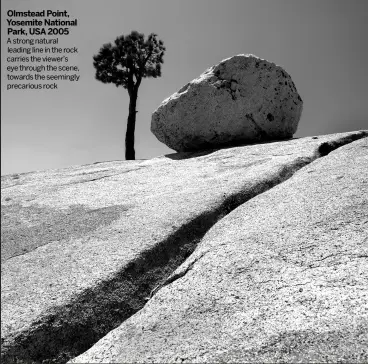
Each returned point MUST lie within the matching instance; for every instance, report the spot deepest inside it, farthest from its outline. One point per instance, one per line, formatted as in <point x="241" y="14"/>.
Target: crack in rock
<point x="175" y="276"/>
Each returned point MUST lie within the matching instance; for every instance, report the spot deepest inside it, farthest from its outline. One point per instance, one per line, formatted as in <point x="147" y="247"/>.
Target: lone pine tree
<point x="125" y="64"/>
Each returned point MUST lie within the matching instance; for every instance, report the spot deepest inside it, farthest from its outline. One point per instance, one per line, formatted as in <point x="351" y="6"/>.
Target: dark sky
<point x="320" y="43"/>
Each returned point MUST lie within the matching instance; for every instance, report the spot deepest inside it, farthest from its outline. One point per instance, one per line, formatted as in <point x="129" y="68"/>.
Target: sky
<point x="320" y="43"/>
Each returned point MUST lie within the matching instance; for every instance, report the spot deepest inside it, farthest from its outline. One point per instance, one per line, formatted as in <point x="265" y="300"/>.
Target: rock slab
<point x="85" y="247"/>
<point x="282" y="278"/>
<point x="243" y="99"/>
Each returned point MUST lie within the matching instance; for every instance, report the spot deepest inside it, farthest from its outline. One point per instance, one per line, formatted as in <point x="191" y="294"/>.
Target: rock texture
<point x="283" y="278"/>
<point x="84" y="248"/>
<point x="241" y="100"/>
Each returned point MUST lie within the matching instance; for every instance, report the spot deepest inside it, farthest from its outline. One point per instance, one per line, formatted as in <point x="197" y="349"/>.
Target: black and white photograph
<point x="184" y="181"/>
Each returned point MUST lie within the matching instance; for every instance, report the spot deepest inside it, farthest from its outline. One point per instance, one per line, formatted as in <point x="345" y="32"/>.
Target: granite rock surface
<point x="282" y="278"/>
<point x="85" y="248"/>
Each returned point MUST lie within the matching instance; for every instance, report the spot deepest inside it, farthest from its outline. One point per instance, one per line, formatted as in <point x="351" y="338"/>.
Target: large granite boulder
<point x="241" y="100"/>
<point x="84" y="248"/>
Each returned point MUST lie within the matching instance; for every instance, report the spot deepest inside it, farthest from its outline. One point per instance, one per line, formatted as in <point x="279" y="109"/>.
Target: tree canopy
<point x="130" y="59"/>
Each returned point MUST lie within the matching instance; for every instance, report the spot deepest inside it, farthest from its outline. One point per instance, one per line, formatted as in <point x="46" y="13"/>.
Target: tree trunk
<point x="129" y="136"/>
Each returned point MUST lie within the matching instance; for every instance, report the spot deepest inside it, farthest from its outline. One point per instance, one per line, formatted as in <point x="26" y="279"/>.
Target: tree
<point x="124" y="64"/>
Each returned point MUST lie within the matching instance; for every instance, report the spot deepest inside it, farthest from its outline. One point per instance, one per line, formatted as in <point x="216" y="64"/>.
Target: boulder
<point x="281" y="279"/>
<point x="243" y="99"/>
<point x="84" y="248"/>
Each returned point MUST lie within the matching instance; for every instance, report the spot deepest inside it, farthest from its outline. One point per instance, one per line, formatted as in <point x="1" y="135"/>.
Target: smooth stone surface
<point x="283" y="278"/>
<point x="84" y="247"/>
<point x="242" y="99"/>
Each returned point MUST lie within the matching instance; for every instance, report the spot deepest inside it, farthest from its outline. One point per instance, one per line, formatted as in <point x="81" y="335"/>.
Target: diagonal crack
<point x="175" y="276"/>
<point x="102" y="177"/>
<point x="293" y="285"/>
